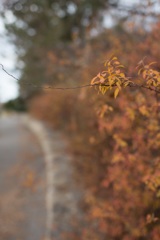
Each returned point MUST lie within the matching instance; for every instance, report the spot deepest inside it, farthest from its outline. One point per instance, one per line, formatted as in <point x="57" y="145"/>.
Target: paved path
<point x="22" y="182"/>
<point x="39" y="198"/>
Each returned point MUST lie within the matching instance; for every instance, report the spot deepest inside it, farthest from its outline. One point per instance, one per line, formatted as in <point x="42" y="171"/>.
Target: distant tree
<point x="17" y="104"/>
<point x="40" y="26"/>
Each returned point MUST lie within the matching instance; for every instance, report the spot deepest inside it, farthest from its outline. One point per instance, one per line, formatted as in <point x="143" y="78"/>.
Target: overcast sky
<point x="8" y="86"/>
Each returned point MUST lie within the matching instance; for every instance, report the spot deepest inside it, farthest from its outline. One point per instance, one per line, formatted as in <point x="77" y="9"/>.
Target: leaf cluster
<point x="114" y="77"/>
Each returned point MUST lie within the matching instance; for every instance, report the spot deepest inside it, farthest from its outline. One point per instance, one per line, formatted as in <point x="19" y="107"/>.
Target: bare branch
<point x="43" y="87"/>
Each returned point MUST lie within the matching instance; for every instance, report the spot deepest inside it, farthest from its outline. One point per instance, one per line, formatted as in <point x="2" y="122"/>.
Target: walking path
<point x="38" y="196"/>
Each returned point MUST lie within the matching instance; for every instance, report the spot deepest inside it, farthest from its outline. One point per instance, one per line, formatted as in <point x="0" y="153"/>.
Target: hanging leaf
<point x="116" y="92"/>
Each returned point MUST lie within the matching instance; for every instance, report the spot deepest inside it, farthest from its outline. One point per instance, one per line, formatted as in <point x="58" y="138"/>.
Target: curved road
<point x="22" y="182"/>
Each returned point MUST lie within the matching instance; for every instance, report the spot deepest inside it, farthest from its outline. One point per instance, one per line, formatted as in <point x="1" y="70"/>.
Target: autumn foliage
<point x="115" y="142"/>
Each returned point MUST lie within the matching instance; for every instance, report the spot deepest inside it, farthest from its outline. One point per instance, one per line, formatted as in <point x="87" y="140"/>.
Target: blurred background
<point x="113" y="144"/>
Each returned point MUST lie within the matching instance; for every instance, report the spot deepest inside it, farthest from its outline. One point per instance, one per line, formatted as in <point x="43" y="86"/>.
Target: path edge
<point x="39" y="130"/>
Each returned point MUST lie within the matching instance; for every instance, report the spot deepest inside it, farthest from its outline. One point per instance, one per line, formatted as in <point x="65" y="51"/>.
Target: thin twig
<point x="8" y="72"/>
<point x="42" y="87"/>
